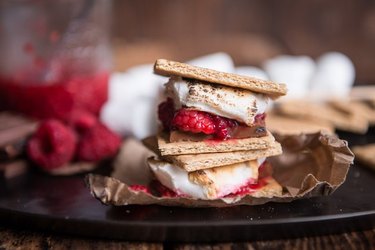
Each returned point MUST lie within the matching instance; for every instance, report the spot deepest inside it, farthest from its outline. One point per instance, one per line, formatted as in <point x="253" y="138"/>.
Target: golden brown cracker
<point x="211" y="146"/>
<point x="170" y="68"/>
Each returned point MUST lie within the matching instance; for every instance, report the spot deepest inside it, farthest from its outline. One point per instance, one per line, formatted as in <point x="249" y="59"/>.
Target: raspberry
<point x="81" y="120"/>
<point x="223" y="127"/>
<point x="52" y="145"/>
<point x="202" y="122"/>
<point x="166" y="113"/>
<point x="260" y="118"/>
<point x="194" y="121"/>
<point x="97" y="143"/>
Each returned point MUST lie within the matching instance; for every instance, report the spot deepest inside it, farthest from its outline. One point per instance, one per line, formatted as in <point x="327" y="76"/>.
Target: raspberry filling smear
<point x="157" y="189"/>
<point x="188" y="124"/>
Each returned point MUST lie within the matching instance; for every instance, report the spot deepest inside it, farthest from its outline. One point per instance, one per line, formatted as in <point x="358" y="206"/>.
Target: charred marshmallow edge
<point x="224" y="180"/>
<point x="238" y="104"/>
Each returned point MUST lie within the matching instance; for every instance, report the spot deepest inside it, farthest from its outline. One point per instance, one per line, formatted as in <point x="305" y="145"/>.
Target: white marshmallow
<point x="241" y="105"/>
<point x="252" y="72"/>
<point x="131" y="107"/>
<point x="334" y="77"/>
<point x="177" y="179"/>
<point x="294" y="71"/>
<point x="225" y="181"/>
<point x="218" y="61"/>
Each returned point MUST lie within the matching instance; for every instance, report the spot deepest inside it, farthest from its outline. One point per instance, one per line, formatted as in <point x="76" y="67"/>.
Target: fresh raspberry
<point x="97" y="144"/>
<point x="194" y="121"/>
<point x="166" y="113"/>
<point x="52" y="145"/>
<point x="81" y="120"/>
<point x="202" y="122"/>
<point x="223" y="127"/>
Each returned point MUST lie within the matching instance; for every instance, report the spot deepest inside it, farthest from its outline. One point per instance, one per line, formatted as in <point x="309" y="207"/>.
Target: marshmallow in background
<point x="252" y="72"/>
<point x="218" y="61"/>
<point x="333" y="78"/>
<point x="131" y="105"/>
<point x="295" y="71"/>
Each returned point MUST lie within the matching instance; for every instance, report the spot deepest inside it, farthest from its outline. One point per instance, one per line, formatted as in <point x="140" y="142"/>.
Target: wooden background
<point x="251" y="31"/>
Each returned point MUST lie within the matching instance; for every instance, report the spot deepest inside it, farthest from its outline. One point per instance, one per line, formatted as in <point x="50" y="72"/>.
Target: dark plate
<point x="63" y="205"/>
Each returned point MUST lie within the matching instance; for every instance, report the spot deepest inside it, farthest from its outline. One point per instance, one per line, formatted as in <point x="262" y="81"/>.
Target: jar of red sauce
<point x="54" y="56"/>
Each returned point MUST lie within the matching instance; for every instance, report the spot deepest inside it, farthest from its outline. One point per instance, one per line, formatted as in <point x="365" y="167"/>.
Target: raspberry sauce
<point x="54" y="99"/>
<point x="249" y="188"/>
<point x="140" y="188"/>
<point x="155" y="188"/>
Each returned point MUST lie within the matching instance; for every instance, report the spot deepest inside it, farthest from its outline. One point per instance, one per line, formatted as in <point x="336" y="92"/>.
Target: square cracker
<point x="208" y="146"/>
<point x="204" y="161"/>
<point x="355" y="109"/>
<point x="284" y="125"/>
<point x="365" y="154"/>
<point x="209" y="160"/>
<point x="323" y="112"/>
<point x="168" y="68"/>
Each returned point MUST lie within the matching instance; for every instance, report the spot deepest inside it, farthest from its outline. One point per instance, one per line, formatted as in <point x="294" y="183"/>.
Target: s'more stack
<point x="213" y="142"/>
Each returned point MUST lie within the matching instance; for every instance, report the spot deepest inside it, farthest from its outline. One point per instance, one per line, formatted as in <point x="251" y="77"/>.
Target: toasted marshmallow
<point x="234" y="103"/>
<point x="206" y="184"/>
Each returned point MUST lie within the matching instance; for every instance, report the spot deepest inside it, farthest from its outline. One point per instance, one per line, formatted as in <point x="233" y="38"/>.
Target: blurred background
<point x="85" y="68"/>
<point x="250" y="31"/>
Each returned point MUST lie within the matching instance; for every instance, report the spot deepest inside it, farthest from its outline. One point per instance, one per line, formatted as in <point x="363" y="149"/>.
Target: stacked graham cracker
<point x="212" y="169"/>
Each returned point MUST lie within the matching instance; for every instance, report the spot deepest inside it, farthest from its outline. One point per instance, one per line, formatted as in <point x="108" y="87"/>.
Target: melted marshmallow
<point x="225" y="180"/>
<point x="241" y="105"/>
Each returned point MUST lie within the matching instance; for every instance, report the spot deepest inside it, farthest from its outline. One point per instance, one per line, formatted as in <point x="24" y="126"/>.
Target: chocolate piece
<point x="239" y="132"/>
<point x="13" y="169"/>
<point x="14" y="130"/>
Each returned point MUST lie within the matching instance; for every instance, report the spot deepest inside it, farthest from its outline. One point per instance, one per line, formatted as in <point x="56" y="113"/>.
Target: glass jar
<point x="55" y="56"/>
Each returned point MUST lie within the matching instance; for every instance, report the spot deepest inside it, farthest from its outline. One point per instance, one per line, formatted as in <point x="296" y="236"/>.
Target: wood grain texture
<point x="251" y="31"/>
<point x="12" y="239"/>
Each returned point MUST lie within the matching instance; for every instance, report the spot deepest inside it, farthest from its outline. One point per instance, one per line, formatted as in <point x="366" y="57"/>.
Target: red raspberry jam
<point x="54" y="99"/>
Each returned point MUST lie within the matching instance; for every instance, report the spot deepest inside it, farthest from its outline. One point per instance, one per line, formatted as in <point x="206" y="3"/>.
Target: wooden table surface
<point x="18" y="239"/>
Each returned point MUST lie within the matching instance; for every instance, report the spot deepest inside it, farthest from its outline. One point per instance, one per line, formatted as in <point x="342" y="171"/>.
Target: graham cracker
<point x="355" y="108"/>
<point x="365" y="154"/>
<point x="284" y="125"/>
<point x="203" y="161"/>
<point x="324" y="112"/>
<point x="171" y="68"/>
<point x="212" y="146"/>
<point x="271" y="189"/>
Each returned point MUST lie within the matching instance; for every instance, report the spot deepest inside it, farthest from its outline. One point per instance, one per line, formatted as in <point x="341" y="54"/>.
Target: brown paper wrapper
<point x="311" y="165"/>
